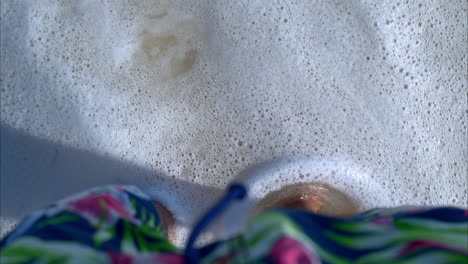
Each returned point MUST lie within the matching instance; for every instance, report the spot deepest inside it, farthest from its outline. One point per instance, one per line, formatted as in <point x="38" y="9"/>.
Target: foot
<point x="313" y="197"/>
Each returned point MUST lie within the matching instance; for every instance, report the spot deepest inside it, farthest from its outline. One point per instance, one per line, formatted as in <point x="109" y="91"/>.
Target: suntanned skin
<point x="300" y="202"/>
<point x="167" y="220"/>
<point x="318" y="198"/>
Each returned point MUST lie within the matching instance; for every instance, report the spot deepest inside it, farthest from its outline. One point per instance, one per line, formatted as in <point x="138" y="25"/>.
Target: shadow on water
<point x="36" y="172"/>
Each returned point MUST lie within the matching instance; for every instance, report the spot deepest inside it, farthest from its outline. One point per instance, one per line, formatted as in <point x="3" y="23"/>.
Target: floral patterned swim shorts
<point x="120" y="224"/>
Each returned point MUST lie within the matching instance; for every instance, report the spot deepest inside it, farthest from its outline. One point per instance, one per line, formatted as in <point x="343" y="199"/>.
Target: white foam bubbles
<point x="195" y="92"/>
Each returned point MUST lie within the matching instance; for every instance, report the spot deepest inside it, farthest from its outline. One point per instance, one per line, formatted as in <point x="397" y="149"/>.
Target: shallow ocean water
<point x="179" y="97"/>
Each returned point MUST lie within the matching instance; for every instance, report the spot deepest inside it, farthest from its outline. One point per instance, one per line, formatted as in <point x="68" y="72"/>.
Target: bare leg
<point x="167" y="220"/>
<point x="314" y="197"/>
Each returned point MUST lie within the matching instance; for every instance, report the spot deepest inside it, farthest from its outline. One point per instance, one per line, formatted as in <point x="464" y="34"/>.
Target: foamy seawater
<point x="178" y="97"/>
